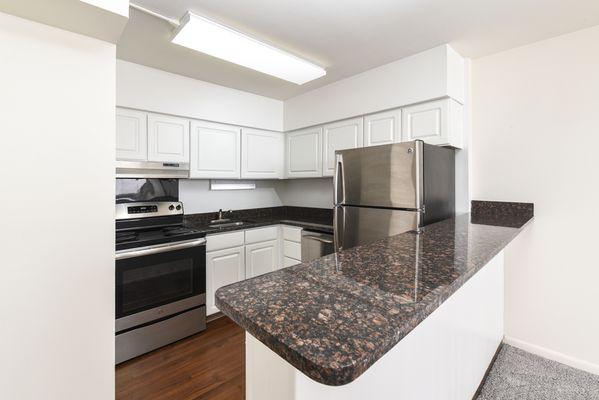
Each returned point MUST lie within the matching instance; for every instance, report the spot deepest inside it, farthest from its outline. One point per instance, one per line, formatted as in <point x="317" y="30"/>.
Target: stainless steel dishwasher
<point x="316" y="245"/>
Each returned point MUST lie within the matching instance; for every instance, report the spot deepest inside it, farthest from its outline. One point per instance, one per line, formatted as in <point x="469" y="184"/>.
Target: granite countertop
<point x="259" y="222"/>
<point x="332" y="318"/>
<point x="315" y="219"/>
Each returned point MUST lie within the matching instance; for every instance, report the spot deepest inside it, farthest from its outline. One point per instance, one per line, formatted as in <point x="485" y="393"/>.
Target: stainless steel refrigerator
<point x="382" y="191"/>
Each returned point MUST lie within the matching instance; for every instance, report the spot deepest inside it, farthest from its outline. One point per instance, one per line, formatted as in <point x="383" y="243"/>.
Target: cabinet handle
<point x="163" y="248"/>
<point x="318" y="238"/>
<point x="339" y="182"/>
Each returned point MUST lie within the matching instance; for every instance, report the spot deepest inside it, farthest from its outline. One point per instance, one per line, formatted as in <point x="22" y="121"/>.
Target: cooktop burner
<point x="122" y="237"/>
<point x="176" y="230"/>
<point x="152" y="236"/>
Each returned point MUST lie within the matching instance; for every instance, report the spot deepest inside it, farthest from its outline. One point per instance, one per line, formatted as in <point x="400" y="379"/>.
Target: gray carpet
<point x="517" y="374"/>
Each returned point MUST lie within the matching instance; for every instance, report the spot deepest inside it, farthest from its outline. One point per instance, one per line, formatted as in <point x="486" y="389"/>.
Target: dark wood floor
<point x="210" y="365"/>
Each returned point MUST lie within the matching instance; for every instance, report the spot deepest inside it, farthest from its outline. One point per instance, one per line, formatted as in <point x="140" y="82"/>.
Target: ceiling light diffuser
<point x="206" y="36"/>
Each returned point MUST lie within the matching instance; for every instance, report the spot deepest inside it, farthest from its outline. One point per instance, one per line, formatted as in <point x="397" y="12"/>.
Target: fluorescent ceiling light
<point x="206" y="36"/>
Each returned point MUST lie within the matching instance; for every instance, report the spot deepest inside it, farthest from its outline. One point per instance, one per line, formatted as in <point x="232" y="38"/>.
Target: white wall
<point x="535" y="139"/>
<point x="198" y="198"/>
<point x="57" y="236"/>
<point x="463" y="155"/>
<point x="316" y="192"/>
<point x="434" y="73"/>
<point x="154" y="90"/>
<point x="101" y="19"/>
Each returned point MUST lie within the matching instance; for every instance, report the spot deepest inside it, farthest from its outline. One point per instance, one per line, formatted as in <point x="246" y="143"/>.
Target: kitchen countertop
<point x="260" y="222"/>
<point x="317" y="219"/>
<point x="332" y="318"/>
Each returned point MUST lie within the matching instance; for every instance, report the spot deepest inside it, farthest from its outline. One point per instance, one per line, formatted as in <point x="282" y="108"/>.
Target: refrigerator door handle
<point x="339" y="183"/>
<point x="339" y="222"/>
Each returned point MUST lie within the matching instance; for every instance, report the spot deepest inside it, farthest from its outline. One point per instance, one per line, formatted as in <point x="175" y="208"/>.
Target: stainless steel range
<point x="160" y="276"/>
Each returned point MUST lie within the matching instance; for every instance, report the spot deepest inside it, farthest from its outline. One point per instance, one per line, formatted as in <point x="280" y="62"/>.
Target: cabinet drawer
<point x="292" y="250"/>
<point x="224" y="241"/>
<point x="261" y="234"/>
<point x="289" y="262"/>
<point x="292" y="233"/>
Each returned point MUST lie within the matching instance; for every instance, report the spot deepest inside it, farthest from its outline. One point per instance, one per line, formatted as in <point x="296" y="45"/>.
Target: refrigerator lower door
<point x="356" y="226"/>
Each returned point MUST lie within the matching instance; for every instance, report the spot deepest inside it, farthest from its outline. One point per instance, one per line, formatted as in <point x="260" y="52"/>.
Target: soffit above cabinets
<point x="346" y="37"/>
<point x="104" y="20"/>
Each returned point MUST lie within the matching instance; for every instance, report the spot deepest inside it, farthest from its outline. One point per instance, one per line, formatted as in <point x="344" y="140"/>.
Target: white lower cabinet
<point x="234" y="256"/>
<point x="261" y="258"/>
<point x="292" y="247"/>
<point x="290" y="262"/>
<point x="223" y="267"/>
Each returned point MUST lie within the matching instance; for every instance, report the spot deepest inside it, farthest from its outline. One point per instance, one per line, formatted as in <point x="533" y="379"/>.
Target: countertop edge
<point x="348" y="373"/>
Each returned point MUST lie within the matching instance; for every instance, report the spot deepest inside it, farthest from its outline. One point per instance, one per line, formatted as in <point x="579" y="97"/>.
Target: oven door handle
<point x="163" y="248"/>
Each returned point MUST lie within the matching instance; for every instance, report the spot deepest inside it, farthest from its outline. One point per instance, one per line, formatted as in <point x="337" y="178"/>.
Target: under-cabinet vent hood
<point x="146" y="169"/>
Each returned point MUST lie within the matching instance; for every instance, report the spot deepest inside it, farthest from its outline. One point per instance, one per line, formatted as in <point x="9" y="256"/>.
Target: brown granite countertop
<point x="315" y="219"/>
<point x="332" y="318"/>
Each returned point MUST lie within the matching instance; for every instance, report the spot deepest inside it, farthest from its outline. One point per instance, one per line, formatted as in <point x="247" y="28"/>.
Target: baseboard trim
<point x="553" y="355"/>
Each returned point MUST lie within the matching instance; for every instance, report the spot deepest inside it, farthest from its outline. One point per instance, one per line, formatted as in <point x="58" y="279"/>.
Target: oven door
<point x="159" y="281"/>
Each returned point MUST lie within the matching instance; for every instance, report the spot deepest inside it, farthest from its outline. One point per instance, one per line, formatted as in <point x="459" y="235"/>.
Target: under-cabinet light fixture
<point x="219" y="184"/>
<point x="206" y="36"/>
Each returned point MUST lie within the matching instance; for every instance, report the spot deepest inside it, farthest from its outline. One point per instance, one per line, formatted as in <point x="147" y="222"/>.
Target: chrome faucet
<point x="221" y="215"/>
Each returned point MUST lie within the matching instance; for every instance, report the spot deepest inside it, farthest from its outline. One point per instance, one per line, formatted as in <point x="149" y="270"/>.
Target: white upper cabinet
<point x="168" y="139"/>
<point x="261" y="258"/>
<point x="437" y="122"/>
<point x="347" y="134"/>
<point x="215" y="150"/>
<point x="303" y="153"/>
<point x="131" y="135"/>
<point x="382" y="128"/>
<point x="262" y="154"/>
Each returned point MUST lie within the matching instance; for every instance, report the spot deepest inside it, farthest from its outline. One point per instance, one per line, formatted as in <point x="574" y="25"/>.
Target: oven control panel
<point x="148" y="209"/>
<point x="142" y="209"/>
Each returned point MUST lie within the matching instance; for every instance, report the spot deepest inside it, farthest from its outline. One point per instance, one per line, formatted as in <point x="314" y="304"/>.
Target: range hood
<point x="147" y="169"/>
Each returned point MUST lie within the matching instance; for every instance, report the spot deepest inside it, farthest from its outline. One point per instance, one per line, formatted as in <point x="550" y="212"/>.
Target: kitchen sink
<point x="226" y="224"/>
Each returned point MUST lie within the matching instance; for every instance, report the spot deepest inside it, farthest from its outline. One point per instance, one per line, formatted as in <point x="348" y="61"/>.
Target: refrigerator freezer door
<point x="380" y="176"/>
<point x="355" y="226"/>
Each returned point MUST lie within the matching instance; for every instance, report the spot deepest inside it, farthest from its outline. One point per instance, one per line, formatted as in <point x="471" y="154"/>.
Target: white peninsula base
<point x="444" y="357"/>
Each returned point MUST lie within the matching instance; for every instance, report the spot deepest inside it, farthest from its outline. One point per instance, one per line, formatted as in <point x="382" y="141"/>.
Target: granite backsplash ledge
<point x="322" y="216"/>
<point x="501" y="213"/>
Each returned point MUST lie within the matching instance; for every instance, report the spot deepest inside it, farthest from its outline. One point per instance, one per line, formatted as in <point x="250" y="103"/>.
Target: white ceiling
<point x="347" y="36"/>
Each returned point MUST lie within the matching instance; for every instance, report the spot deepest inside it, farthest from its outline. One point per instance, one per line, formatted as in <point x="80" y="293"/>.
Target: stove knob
<point x="178" y="207"/>
<point x="171" y="207"/>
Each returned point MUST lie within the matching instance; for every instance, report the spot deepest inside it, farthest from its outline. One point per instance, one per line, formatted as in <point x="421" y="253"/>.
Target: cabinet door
<point x="347" y="134"/>
<point x="261" y="154"/>
<point x="437" y="122"/>
<point x="168" y="139"/>
<point x="131" y="135"/>
<point x="290" y="262"/>
<point x="261" y="258"/>
<point x="215" y="150"/>
<point x="223" y="267"/>
<point x="303" y="153"/>
<point x="382" y="128"/>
